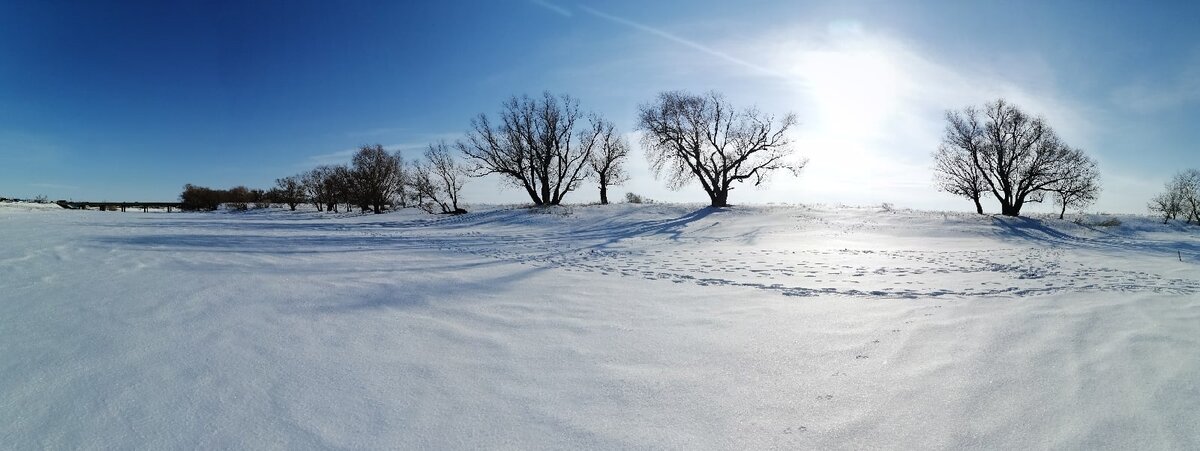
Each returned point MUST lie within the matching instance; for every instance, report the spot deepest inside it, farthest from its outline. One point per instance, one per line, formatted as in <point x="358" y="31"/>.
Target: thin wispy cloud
<point x="682" y="41"/>
<point x="410" y="149"/>
<point x="562" y="11"/>
<point x="1161" y="95"/>
<point x="373" y="132"/>
<point x="344" y="155"/>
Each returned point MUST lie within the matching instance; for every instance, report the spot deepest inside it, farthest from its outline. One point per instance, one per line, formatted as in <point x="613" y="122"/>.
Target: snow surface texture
<point x="624" y="326"/>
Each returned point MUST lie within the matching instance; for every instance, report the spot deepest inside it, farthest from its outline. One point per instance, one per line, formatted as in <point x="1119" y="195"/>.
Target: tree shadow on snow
<point x="1038" y="231"/>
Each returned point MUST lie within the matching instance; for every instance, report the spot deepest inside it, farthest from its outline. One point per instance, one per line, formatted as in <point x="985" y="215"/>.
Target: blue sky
<point x="131" y="100"/>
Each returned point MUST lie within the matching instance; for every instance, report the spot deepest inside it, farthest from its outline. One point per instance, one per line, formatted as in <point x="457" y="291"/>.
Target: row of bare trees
<point x="548" y="147"/>
<point x="1180" y="199"/>
<point x="376" y="180"/>
<point x="236" y="198"/>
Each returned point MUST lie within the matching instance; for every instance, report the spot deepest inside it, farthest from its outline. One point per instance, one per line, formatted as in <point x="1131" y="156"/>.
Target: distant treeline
<point x="375" y="180"/>
<point x="237" y="198"/>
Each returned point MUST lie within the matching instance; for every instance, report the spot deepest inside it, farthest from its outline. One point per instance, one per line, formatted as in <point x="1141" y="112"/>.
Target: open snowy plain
<point x="622" y="326"/>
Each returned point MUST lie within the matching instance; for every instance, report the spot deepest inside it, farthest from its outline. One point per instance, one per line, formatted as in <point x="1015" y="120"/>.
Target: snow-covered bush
<point x="634" y="198"/>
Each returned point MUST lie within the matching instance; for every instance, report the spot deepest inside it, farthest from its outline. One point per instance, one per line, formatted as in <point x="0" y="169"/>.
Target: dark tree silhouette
<point x="608" y="160"/>
<point x="237" y="198"/>
<point x="1020" y="157"/>
<point x="437" y="181"/>
<point x="1081" y="187"/>
<point x="290" y="191"/>
<point x="702" y="137"/>
<point x="376" y="174"/>
<point x="955" y="169"/>
<point x="316" y="185"/>
<point x="538" y="145"/>
<point x="200" y="198"/>
<point x="341" y="180"/>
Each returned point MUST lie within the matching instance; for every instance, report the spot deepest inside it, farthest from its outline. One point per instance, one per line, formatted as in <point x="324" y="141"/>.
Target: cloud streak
<point x="409" y="149"/>
<point x="1146" y="98"/>
<point x="682" y="41"/>
<point x="553" y="8"/>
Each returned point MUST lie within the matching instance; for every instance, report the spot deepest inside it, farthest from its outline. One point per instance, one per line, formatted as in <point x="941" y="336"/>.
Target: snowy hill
<point x="621" y="326"/>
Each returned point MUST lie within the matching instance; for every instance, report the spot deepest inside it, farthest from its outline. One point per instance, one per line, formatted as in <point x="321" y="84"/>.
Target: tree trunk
<point x="978" y="206"/>
<point x="720" y="198"/>
<point x="603" y="195"/>
<point x="1062" y="212"/>
<point x="1010" y="210"/>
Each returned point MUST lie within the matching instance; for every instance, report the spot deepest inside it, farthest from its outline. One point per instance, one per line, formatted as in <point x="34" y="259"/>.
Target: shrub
<point x="634" y="198"/>
<point x="200" y="198"/>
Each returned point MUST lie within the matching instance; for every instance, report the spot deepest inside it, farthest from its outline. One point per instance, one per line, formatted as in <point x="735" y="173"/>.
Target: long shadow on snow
<point x="611" y="231"/>
<point x="386" y="297"/>
<point x="1037" y="231"/>
<point x="528" y="243"/>
<point x="271" y="244"/>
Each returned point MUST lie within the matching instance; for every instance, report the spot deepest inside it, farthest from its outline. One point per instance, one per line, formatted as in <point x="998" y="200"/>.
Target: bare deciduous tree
<point x="438" y="180"/>
<point x="1081" y="187"/>
<point x="1180" y="199"/>
<point x="955" y="169"/>
<point x="317" y="183"/>
<point x="290" y="191"/>
<point x="401" y="195"/>
<point x="608" y="160"/>
<point x="1020" y="157"/>
<point x="702" y="137"/>
<point x="535" y="146"/>
<point x="376" y="174"/>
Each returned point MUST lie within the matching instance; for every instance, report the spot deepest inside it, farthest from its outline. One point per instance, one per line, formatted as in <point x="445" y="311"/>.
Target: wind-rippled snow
<point x="622" y="326"/>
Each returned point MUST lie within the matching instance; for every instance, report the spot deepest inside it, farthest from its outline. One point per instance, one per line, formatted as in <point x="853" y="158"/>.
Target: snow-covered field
<point x="624" y="326"/>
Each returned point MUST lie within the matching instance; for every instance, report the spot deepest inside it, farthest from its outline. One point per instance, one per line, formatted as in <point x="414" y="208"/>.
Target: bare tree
<point x="1081" y="187"/>
<point x="344" y="190"/>
<point x="954" y="166"/>
<point x="237" y="197"/>
<point x="401" y="195"/>
<point x="1168" y="204"/>
<point x="376" y="174"/>
<point x="1180" y="199"/>
<point x="701" y="137"/>
<point x="1188" y="185"/>
<point x="1020" y="157"/>
<point x="608" y="160"/>
<point x="290" y="191"/>
<point x="534" y="146"/>
<point x="438" y="180"/>
<point x="318" y="187"/>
